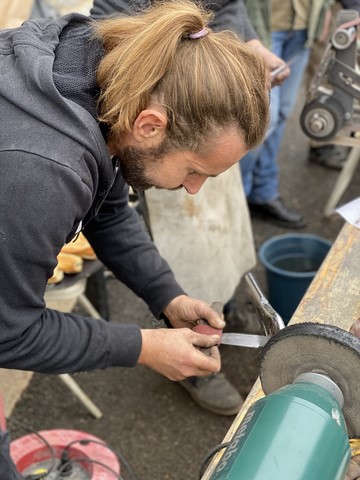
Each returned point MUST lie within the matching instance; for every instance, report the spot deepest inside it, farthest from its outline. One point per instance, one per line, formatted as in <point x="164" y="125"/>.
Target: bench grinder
<point x="310" y="374"/>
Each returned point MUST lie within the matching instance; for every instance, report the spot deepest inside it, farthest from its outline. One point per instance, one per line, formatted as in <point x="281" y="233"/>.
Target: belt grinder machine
<point x="334" y="93"/>
<point x="310" y="374"/>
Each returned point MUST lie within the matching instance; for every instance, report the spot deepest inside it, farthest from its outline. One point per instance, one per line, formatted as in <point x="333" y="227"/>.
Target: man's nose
<point x="193" y="184"/>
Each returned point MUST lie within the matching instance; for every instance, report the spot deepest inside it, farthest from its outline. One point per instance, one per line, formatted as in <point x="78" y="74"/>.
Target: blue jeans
<point x="259" y="168"/>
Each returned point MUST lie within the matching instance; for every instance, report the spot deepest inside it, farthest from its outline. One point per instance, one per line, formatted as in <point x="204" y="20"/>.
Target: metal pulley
<point x="322" y="118"/>
<point x="342" y="38"/>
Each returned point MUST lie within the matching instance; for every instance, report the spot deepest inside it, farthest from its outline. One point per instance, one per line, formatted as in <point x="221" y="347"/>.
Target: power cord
<point x="209" y="456"/>
<point x="63" y="468"/>
<point x="84" y="441"/>
<point x="37" y="476"/>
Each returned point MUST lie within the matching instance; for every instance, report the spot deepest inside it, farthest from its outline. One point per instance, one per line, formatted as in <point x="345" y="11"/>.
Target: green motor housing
<point x="295" y="433"/>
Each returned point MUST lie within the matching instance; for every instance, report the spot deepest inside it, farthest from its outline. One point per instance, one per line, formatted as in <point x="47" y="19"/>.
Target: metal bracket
<point x="270" y="320"/>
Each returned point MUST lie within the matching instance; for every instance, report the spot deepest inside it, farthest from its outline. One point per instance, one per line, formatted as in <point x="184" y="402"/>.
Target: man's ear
<point x="149" y="127"/>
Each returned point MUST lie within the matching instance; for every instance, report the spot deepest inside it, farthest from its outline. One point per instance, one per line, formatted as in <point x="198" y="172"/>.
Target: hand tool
<point x="274" y="73"/>
<point x="270" y="320"/>
<point x="310" y="374"/>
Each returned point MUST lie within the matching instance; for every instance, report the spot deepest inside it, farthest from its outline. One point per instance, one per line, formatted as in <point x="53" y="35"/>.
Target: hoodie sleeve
<point x="34" y="214"/>
<point x="232" y="15"/>
<point x="122" y="243"/>
<point x="106" y="8"/>
<point x="229" y="14"/>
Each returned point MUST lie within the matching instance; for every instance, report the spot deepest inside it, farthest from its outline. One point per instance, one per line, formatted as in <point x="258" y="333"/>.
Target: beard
<point x="133" y="163"/>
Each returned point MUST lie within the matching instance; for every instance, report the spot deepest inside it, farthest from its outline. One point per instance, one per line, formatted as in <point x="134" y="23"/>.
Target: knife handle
<point x="204" y="327"/>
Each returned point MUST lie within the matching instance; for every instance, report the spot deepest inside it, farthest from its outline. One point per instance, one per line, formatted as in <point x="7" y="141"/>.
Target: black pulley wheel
<point x="322" y="118"/>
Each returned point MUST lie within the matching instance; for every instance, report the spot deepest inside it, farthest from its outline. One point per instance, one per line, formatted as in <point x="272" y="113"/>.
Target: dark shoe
<point x="275" y="211"/>
<point x="329" y="156"/>
<point x="214" y="393"/>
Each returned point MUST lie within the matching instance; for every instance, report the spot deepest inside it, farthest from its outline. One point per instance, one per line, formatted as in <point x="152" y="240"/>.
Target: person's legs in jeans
<point x="260" y="170"/>
<point x="254" y="169"/>
<point x="249" y="162"/>
<point x="286" y="45"/>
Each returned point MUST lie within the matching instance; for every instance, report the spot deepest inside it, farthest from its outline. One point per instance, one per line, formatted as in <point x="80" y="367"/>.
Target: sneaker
<point x="214" y="393"/>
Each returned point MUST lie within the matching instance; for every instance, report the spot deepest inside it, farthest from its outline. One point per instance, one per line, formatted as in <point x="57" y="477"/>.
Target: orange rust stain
<point x="190" y="207"/>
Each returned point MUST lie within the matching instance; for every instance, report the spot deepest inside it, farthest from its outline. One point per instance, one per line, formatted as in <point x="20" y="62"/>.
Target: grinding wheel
<point x="315" y="347"/>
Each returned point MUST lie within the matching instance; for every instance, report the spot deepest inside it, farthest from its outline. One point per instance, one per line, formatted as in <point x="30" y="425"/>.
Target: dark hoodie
<point x="55" y="173"/>
<point x="228" y="14"/>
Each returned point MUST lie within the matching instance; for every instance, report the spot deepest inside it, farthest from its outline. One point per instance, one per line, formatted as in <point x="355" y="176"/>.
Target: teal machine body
<point x="295" y="433"/>
<point x="300" y="429"/>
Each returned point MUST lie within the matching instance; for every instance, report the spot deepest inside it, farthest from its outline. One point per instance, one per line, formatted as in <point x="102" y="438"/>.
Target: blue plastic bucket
<point x="291" y="262"/>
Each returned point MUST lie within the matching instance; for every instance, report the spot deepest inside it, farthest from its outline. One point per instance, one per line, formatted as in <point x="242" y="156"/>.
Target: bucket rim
<point x="281" y="271"/>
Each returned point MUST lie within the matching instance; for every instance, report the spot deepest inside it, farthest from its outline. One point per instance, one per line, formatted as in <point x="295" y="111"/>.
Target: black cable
<point x="97" y="442"/>
<point x="83" y="460"/>
<point x="46" y="443"/>
<point x="68" y="463"/>
<point x="209" y="456"/>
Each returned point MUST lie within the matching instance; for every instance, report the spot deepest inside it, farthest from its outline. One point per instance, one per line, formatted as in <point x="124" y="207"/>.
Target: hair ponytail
<point x="203" y="79"/>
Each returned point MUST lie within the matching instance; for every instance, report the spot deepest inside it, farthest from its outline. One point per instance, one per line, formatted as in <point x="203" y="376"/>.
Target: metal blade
<point x="244" y="340"/>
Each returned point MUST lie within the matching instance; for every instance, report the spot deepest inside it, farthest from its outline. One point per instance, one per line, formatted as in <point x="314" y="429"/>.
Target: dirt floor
<point x="151" y="421"/>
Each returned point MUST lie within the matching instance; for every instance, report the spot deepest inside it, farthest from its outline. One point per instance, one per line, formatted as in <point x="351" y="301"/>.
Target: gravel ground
<point x="153" y="422"/>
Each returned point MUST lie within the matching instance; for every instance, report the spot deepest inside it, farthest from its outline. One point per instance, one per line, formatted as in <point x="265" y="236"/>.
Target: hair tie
<point x="199" y="34"/>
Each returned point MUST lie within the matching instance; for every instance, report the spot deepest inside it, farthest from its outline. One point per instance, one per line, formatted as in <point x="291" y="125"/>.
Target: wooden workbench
<point x="333" y="298"/>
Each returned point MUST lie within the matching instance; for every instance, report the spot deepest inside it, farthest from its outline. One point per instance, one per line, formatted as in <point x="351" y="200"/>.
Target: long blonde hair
<point x="204" y="83"/>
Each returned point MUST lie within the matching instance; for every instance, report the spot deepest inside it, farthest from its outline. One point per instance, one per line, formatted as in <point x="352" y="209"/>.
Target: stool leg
<point x="81" y="395"/>
<point x="89" y="307"/>
<point x="96" y="292"/>
<point x="343" y="181"/>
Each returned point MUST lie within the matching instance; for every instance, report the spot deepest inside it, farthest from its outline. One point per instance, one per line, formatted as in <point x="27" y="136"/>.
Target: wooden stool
<point x="63" y="297"/>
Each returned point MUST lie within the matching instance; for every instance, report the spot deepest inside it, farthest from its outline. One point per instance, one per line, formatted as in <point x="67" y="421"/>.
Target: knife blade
<point x="269" y="319"/>
<point x="244" y="340"/>
<point x="274" y="73"/>
<point x="237" y="339"/>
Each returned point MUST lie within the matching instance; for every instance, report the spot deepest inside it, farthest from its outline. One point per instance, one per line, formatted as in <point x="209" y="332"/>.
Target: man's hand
<point x="175" y="353"/>
<point x="184" y="311"/>
<point x="272" y="61"/>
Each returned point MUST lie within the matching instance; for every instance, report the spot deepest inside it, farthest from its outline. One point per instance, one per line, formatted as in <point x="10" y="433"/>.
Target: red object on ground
<point x="2" y="414"/>
<point x="206" y="329"/>
<point x="30" y="450"/>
